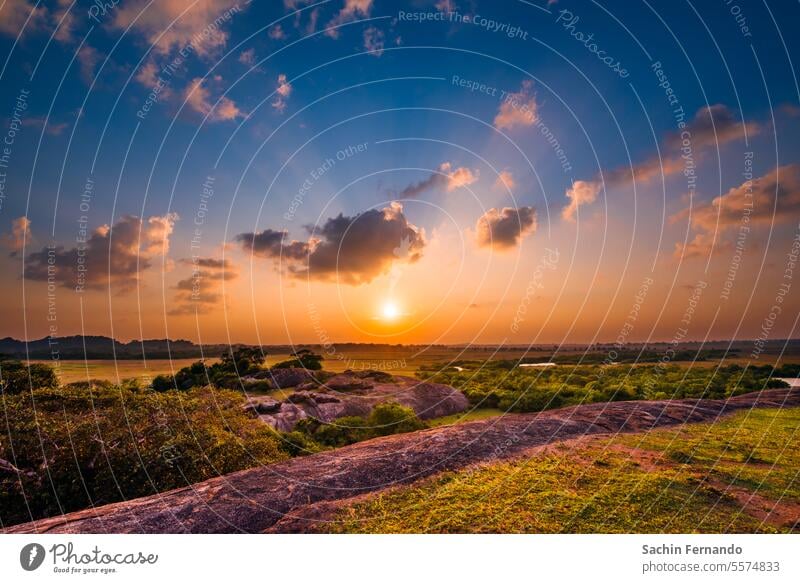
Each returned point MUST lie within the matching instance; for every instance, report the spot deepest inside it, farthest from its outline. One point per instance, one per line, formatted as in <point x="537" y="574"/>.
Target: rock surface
<point x="356" y="394"/>
<point x="256" y="500"/>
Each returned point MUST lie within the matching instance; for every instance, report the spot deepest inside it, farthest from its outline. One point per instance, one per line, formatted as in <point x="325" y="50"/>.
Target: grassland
<point x="737" y="475"/>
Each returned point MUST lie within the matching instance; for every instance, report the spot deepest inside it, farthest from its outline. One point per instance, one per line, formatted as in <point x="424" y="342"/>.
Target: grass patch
<point x="670" y="481"/>
<point x="472" y="415"/>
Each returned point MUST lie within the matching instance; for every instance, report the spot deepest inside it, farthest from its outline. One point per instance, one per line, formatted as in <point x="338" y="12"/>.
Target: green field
<point x="737" y="475"/>
<point x="71" y="371"/>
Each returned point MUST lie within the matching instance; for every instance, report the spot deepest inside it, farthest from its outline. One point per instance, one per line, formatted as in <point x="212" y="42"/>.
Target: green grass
<point x="471" y="415"/>
<point x="629" y="484"/>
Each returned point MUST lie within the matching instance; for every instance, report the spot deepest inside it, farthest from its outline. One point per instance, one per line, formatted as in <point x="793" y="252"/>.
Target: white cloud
<point x="283" y="92"/>
<point x="198" y="97"/>
<point x="518" y="109"/>
<point x="582" y="192"/>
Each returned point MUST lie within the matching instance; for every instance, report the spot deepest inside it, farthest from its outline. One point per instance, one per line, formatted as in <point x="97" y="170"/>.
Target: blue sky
<point x="271" y="90"/>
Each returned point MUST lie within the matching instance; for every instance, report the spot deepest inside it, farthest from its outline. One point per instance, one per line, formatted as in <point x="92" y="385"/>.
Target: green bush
<point x="91" y="444"/>
<point x="17" y="377"/>
<point x="391" y="418"/>
<point x="496" y="384"/>
<point x="385" y="419"/>
<point x="302" y="359"/>
<point x="224" y="374"/>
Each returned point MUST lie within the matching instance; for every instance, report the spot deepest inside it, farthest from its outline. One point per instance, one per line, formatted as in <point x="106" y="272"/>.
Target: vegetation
<point x="17" y="377"/>
<point x="731" y="476"/>
<point x="223" y="374"/>
<point x="93" y="443"/>
<point x="310" y="435"/>
<point x="503" y="385"/>
<point x="302" y="359"/>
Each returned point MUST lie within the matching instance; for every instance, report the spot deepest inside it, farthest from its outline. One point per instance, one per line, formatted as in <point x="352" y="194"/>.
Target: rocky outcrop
<point x="356" y="394"/>
<point x="255" y="500"/>
<point x="281" y="378"/>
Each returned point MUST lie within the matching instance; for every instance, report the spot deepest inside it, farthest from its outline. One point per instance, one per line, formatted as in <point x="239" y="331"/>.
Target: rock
<point x="289" y="377"/>
<point x="356" y="394"/>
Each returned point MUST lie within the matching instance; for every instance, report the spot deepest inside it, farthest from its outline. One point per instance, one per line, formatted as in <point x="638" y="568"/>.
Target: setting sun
<point x="389" y="310"/>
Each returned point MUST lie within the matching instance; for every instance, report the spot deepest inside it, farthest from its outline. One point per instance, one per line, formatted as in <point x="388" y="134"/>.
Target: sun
<point x="390" y="310"/>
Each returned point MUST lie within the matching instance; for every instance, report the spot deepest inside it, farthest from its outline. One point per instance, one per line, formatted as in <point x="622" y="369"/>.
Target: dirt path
<point x="255" y="500"/>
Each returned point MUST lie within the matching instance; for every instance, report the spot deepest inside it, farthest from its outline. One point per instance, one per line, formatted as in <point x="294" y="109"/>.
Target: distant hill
<point x="103" y="347"/>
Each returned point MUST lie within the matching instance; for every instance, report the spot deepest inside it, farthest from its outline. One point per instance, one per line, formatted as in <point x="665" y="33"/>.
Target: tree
<point x="18" y="377"/>
<point x="303" y="358"/>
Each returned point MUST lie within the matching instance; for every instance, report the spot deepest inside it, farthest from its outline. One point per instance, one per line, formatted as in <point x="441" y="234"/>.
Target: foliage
<point x="385" y="419"/>
<point x="502" y="385"/>
<point x="303" y="358"/>
<point x="17" y="377"/>
<point x="615" y="484"/>
<point x="223" y="374"/>
<point x="94" y="443"/>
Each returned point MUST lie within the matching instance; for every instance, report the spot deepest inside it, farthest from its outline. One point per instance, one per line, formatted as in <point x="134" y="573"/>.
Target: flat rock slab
<point x="255" y="500"/>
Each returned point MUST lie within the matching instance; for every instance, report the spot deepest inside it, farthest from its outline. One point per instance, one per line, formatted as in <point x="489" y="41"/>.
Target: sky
<point x="425" y="172"/>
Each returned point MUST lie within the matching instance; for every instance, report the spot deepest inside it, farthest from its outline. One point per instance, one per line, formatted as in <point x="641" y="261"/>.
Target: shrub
<point x="302" y="359"/>
<point x="92" y="444"/>
<point x="17" y="377"/>
<point x="391" y="418"/>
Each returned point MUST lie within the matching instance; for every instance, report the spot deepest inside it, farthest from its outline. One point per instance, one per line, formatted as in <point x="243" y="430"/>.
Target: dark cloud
<point x="505" y="228"/>
<point x="713" y="126"/>
<point x="111" y="256"/>
<point x="270" y="244"/>
<point x="351" y="250"/>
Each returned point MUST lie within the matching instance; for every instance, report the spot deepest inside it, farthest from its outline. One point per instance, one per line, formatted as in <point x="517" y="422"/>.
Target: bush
<point x="391" y="418"/>
<point x="385" y="419"/>
<point x="17" y="377"/>
<point x="302" y="359"/>
<point x="224" y="374"/>
<point x="92" y="444"/>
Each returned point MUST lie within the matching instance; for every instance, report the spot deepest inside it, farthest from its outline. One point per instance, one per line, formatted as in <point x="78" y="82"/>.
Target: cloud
<point x="199" y="23"/>
<point x="200" y="293"/>
<point x="52" y="128"/>
<point x="198" y="98"/>
<point x="15" y="13"/>
<point x="351" y="10"/>
<point x="700" y="132"/>
<point x="582" y="192"/>
<point x="518" y="109"/>
<point x="777" y="191"/>
<point x="248" y="57"/>
<point x="20" y="234"/>
<point x="713" y="126"/>
<point x="773" y="198"/>
<point x="88" y="57"/>
<point x="65" y="22"/>
<point x="505" y="228"/>
<point x="276" y="32"/>
<point x="282" y="93"/>
<point x="505" y="181"/>
<point x="111" y="255"/>
<point x="374" y="41"/>
<point x="270" y="244"/>
<point x="350" y="250"/>
<point x="448" y="178"/>
<point x="702" y="245"/>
